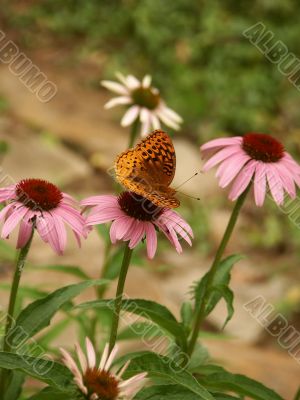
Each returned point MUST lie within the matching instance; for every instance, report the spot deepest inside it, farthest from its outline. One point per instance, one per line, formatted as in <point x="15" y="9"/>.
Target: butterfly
<point x="149" y="168"/>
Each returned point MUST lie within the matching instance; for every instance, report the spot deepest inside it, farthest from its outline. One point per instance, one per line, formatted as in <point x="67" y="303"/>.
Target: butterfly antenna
<point x="191" y="197"/>
<point x="183" y="183"/>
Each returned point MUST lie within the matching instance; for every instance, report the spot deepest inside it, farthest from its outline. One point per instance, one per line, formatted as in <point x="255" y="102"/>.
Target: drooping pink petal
<point x="229" y="169"/>
<point x="286" y="178"/>
<point x="24" y="233"/>
<point x="260" y="184"/>
<point x="242" y="181"/>
<point x="275" y="184"/>
<point x="72" y="218"/>
<point x="165" y="118"/>
<point x="171" y="114"/>
<point x="151" y="239"/>
<point x="7" y="193"/>
<point x="137" y="235"/>
<point x="120" y="227"/>
<point x="61" y="232"/>
<point x="5" y="212"/>
<point x="13" y="220"/>
<point x="130" y="116"/>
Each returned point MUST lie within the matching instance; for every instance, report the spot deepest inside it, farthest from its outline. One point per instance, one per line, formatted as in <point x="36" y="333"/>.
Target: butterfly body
<point x="149" y="168"/>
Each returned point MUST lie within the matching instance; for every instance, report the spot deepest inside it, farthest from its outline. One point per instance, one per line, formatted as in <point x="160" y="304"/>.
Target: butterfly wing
<point x="149" y="169"/>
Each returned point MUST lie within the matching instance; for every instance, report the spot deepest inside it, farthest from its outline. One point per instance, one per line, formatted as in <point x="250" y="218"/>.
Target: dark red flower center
<point x="38" y="194"/>
<point x="262" y="147"/>
<point x="101" y="382"/>
<point x="138" y="207"/>
<point x="145" y="97"/>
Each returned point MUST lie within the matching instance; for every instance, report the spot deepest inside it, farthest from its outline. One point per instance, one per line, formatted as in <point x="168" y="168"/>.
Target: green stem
<point x="133" y="133"/>
<point x="12" y="302"/>
<point x="119" y="296"/>
<point x="200" y="314"/>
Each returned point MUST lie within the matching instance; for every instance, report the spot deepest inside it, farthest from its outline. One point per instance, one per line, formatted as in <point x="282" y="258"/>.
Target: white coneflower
<point x="100" y="382"/>
<point x="144" y="101"/>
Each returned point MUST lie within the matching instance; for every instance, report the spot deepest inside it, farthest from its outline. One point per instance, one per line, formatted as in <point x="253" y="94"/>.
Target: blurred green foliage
<point x="195" y="50"/>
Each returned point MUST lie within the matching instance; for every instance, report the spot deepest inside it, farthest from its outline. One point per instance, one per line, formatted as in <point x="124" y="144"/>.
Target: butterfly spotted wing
<point x="149" y="168"/>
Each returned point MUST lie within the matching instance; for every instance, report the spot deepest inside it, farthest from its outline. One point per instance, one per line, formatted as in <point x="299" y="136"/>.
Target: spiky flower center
<point x="102" y="383"/>
<point x="138" y="207"/>
<point x="262" y="147"/>
<point x="38" y="194"/>
<point x="146" y="97"/>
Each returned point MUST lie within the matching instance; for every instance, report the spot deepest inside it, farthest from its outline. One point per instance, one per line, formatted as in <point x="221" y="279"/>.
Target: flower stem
<point x="200" y="314"/>
<point x="12" y="302"/>
<point x="119" y="296"/>
<point x="133" y="133"/>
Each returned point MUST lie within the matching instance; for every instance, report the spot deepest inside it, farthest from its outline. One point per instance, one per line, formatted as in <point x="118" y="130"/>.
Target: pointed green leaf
<point x="38" y="314"/>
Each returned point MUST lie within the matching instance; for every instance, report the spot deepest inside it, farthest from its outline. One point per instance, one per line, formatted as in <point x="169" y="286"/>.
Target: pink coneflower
<point x="254" y="156"/>
<point x="101" y="382"/>
<point x="144" y="103"/>
<point x="135" y="218"/>
<point x="36" y="203"/>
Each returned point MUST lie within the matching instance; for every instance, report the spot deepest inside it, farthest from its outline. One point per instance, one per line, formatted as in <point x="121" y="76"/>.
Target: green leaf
<point x="150" y="310"/>
<point x="38" y="314"/>
<point x="50" y="372"/>
<point x="50" y="393"/>
<point x="297" y="397"/>
<point x="166" y="370"/>
<point x="65" y="269"/>
<point x="240" y="384"/>
<point x="169" y="392"/>
<point x="222" y="277"/>
<point x="139" y="330"/>
<point x="174" y="392"/>
<point x="228" y="296"/>
<point x="52" y="333"/>
<point x="14" y="388"/>
<point x="187" y="315"/>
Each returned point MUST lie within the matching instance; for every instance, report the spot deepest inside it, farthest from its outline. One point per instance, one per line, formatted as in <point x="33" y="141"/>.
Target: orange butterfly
<point x="149" y="168"/>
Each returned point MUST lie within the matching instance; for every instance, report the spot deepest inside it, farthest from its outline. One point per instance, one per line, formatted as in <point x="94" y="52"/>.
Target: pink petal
<point x="8" y="193"/>
<point x="119" y="228"/>
<point x="117" y="101"/>
<point x="151" y="239"/>
<point x="243" y="180"/>
<point x="91" y="355"/>
<point x="286" y="178"/>
<point x="221" y="156"/>
<point x="171" y="114"/>
<point x="72" y="218"/>
<point x="130" y="116"/>
<point x="137" y="234"/>
<point x="99" y="200"/>
<point x="47" y="230"/>
<point x="260" y="184"/>
<point x="217" y="143"/>
<point x="229" y="169"/>
<point x="13" y="220"/>
<point x="275" y="184"/>
<point x="24" y="233"/>
<point x="115" y="87"/>
<point x="146" y="81"/>
<point x="103" y="216"/>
